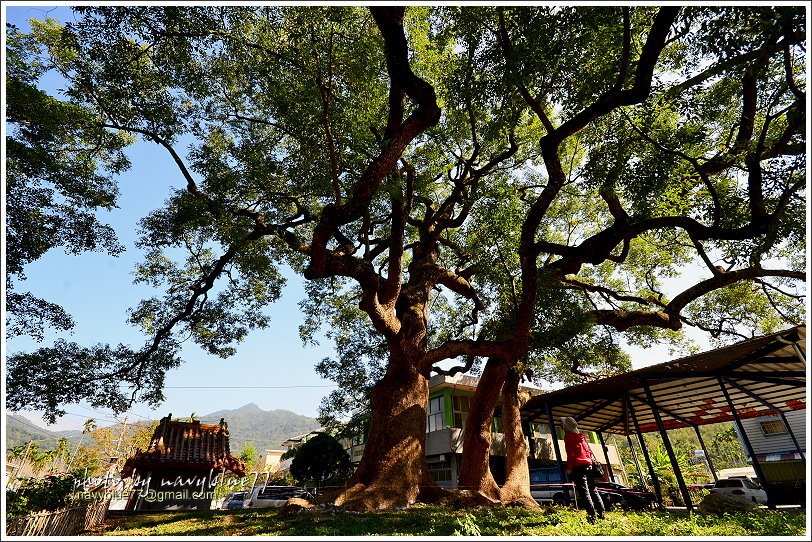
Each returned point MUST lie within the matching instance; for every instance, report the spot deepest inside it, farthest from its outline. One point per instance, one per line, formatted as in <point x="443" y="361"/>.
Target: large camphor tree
<point x="673" y="184"/>
<point x="515" y="185"/>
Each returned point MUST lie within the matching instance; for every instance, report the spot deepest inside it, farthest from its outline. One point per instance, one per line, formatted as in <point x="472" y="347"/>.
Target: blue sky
<point x="97" y="290"/>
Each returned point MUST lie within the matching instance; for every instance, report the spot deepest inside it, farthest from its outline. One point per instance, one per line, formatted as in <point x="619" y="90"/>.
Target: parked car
<point x="740" y="487"/>
<point x="547" y="487"/>
<point x="627" y="498"/>
<point x="753" y="479"/>
<point x="270" y="496"/>
<point x="234" y="500"/>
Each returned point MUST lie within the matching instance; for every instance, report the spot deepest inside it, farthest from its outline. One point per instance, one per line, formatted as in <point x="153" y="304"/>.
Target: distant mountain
<point x="20" y="430"/>
<point x="265" y="429"/>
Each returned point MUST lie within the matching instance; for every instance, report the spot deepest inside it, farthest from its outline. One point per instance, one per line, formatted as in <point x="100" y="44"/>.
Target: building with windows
<point x="272" y="460"/>
<point x="446" y="415"/>
<point x="295" y="442"/>
<point x="779" y="444"/>
<point x="449" y="398"/>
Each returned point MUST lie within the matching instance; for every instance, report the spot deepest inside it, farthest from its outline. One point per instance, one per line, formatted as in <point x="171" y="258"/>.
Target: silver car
<point x="271" y="496"/>
<point x="546" y="486"/>
<point x="234" y="500"/>
<point x="740" y="487"/>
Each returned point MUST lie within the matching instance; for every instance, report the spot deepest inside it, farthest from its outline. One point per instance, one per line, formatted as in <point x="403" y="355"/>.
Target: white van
<point x="270" y="496"/>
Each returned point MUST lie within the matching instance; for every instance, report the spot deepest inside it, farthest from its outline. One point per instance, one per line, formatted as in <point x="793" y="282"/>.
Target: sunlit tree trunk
<point x="516" y="489"/>
<point x="475" y="473"/>
<point x="393" y="468"/>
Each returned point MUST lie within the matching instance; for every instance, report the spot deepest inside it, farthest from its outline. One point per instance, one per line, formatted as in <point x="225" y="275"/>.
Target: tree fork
<point x="475" y="473"/>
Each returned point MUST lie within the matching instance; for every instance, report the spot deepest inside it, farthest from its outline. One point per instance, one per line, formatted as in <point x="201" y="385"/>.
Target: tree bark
<point x="393" y="467"/>
<point x="516" y="489"/>
<point x="475" y="472"/>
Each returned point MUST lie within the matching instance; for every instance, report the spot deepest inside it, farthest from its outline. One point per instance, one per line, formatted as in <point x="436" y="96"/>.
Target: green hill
<point x="20" y="430"/>
<point x="265" y="429"/>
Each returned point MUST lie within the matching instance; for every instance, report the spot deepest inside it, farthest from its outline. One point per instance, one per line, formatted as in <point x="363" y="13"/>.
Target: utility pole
<point x="22" y="460"/>
<point x="76" y="451"/>
<point x="114" y="458"/>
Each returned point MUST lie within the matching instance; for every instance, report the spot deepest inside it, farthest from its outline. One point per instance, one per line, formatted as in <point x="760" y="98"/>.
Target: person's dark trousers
<point x="587" y="493"/>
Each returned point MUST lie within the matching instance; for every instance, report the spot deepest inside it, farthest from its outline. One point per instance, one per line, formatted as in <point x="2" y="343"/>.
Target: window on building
<point x="773" y="427"/>
<point x="497" y="424"/>
<point x="538" y="430"/>
<point x="461" y="405"/>
<point x="359" y="431"/>
<point x="441" y="471"/>
<point x="357" y="437"/>
<point x="436" y="412"/>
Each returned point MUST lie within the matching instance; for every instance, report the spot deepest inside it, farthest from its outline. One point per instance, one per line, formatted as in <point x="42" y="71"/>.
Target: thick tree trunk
<point x="516" y="489"/>
<point x="475" y="472"/>
<point x="393" y="467"/>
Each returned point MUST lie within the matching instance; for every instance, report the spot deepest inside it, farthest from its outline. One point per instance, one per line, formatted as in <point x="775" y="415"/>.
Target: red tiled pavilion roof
<point x="187" y="445"/>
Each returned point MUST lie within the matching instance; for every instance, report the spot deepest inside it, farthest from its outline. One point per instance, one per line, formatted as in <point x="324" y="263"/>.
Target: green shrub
<point x="321" y="460"/>
<point x="718" y="503"/>
<point x="35" y="494"/>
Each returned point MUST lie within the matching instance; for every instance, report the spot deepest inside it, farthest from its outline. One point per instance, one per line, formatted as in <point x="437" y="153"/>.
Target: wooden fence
<point x="66" y="522"/>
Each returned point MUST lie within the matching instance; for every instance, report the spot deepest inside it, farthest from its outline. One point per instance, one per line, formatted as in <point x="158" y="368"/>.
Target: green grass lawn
<point x="440" y="521"/>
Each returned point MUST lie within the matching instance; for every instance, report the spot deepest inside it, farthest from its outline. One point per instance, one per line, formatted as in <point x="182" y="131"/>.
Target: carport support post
<point x="606" y="455"/>
<point x="562" y="471"/>
<point x="656" y="481"/>
<point x="636" y="461"/>
<point x="792" y="435"/>
<point x="705" y="450"/>
<point x="747" y="443"/>
<point x="686" y="495"/>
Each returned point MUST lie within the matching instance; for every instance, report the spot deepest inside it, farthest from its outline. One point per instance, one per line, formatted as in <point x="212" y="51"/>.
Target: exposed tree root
<point x="365" y="499"/>
<point x="520" y="499"/>
<point x="374" y="497"/>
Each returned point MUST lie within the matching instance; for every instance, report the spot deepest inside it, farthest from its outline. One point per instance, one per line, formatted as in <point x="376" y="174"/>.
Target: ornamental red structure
<point x="180" y="468"/>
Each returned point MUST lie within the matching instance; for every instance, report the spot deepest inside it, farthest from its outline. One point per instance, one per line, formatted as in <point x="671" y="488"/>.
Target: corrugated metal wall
<point x="771" y="444"/>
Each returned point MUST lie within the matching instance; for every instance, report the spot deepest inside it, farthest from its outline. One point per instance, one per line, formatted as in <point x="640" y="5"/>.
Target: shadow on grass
<point x="439" y="521"/>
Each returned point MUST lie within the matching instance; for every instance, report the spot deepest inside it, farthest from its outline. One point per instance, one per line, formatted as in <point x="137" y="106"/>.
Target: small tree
<point x="35" y="494"/>
<point x="320" y="459"/>
<point x="726" y="449"/>
<point x="249" y="453"/>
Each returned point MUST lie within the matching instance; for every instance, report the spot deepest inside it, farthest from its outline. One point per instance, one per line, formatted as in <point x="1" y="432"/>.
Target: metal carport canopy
<point x="762" y="376"/>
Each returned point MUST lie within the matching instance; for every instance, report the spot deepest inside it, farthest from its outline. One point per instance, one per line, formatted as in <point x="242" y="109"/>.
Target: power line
<point x="94" y="411"/>
<point x="131" y="413"/>
<point x="105" y="417"/>
<point x="245" y="387"/>
<point x="41" y="429"/>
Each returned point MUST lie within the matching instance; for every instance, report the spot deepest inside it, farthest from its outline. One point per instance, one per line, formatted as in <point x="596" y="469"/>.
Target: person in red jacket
<point x="580" y="471"/>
